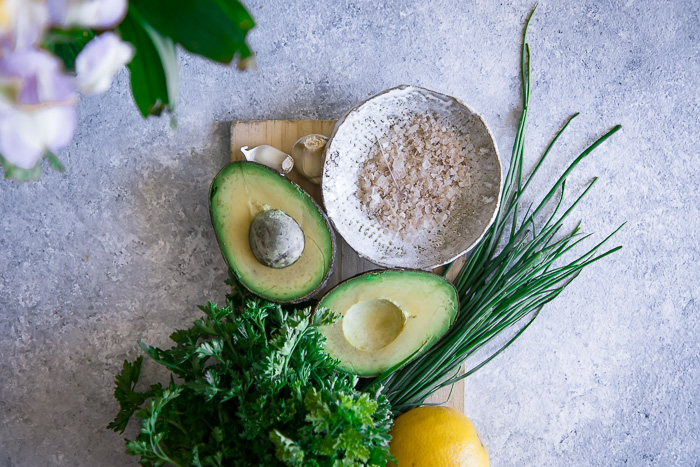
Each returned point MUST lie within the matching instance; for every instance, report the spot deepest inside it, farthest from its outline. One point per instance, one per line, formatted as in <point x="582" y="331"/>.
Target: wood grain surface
<point x="282" y="134"/>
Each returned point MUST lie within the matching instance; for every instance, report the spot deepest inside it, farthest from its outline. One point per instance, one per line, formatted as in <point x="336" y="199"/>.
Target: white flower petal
<point x="94" y="13"/>
<point x="22" y="22"/>
<point x="101" y="58"/>
<point x="17" y="143"/>
<point x="55" y="126"/>
<point x="26" y="134"/>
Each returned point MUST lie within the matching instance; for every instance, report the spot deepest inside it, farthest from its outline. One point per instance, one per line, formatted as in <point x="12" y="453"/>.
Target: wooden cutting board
<point x="282" y="134"/>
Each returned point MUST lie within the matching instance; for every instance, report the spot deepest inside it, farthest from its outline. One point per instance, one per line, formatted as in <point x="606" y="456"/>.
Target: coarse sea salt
<point x="415" y="179"/>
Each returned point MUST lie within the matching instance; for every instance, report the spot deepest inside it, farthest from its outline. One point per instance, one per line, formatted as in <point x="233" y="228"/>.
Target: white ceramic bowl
<point x="348" y="150"/>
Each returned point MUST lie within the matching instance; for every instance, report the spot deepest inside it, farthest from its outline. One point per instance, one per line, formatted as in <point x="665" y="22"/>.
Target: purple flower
<point x="37" y="101"/>
<point x="37" y="107"/>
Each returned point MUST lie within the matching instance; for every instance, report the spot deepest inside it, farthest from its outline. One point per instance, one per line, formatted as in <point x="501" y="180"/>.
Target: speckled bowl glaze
<point x="349" y="148"/>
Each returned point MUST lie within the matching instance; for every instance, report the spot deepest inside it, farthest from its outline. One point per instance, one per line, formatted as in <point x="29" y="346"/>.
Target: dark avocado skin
<point x="212" y="192"/>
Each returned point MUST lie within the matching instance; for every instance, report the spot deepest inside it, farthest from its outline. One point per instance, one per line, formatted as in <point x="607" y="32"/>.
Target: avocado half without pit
<point x="388" y="318"/>
<point x="272" y="234"/>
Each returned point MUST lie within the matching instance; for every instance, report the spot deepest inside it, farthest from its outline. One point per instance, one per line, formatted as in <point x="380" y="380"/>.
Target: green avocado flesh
<point x="238" y="194"/>
<point x="388" y="318"/>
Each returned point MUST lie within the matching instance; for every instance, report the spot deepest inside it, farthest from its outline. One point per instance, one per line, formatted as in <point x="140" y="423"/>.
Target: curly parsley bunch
<point x="254" y="388"/>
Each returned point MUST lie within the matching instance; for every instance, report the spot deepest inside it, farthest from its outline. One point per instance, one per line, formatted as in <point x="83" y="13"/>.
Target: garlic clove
<point x="309" y="154"/>
<point x="270" y="157"/>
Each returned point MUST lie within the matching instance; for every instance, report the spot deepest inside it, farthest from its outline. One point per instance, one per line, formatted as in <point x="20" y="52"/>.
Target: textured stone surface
<point x="120" y="248"/>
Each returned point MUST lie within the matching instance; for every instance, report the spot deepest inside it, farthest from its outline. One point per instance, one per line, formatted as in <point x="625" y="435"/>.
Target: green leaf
<point x="129" y="400"/>
<point x="27" y="175"/>
<point x="325" y="317"/>
<point x="19" y="174"/>
<point x="319" y="412"/>
<point x="352" y="442"/>
<point x="66" y="44"/>
<point x="154" y="68"/>
<point x="215" y="29"/>
<point x="210" y="349"/>
<point x="286" y="449"/>
<point x="214" y="312"/>
<point x="205" y="387"/>
<point x="362" y="408"/>
<point x="53" y="161"/>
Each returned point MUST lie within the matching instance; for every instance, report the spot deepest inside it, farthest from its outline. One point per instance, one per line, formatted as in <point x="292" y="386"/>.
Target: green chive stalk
<point x="520" y="265"/>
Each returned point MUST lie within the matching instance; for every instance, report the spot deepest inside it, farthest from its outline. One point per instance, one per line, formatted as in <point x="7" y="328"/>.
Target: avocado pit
<point x="373" y="324"/>
<point x="276" y="239"/>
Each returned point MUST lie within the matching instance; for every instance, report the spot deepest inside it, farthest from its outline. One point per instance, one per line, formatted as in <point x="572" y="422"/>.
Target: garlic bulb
<point x="270" y="157"/>
<point x="309" y="155"/>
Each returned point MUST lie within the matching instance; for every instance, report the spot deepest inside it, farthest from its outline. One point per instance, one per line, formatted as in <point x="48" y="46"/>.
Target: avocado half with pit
<point x="387" y="318"/>
<point x="272" y="234"/>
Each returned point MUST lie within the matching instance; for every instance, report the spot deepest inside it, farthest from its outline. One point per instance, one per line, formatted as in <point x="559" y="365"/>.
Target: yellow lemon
<point x="436" y="437"/>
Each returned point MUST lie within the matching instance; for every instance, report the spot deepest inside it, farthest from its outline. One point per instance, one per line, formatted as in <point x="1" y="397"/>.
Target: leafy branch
<point x="214" y="29"/>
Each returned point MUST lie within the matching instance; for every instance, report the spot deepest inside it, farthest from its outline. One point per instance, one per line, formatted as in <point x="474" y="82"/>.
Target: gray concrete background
<point x="120" y="248"/>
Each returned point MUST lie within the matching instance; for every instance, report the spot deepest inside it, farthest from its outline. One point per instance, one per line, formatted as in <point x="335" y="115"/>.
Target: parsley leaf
<point x="252" y="385"/>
